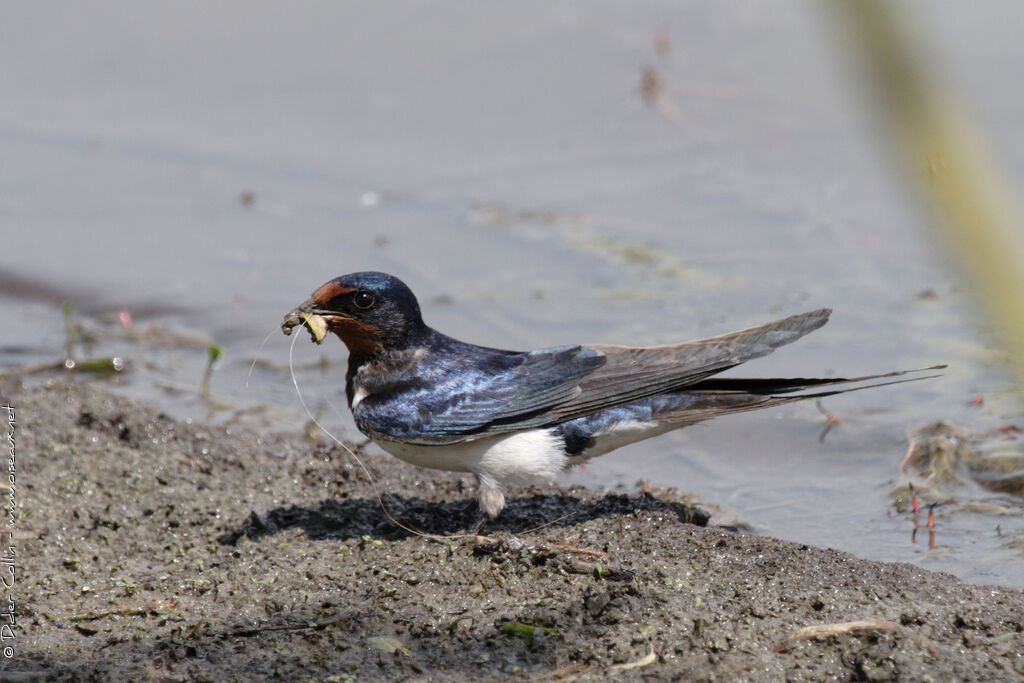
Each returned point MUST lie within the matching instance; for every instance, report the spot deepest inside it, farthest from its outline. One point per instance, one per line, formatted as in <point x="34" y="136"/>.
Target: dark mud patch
<point x="343" y="519"/>
<point x="154" y="549"/>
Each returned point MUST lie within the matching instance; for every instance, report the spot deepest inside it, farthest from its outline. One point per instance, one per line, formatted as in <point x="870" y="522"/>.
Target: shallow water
<point x="207" y="168"/>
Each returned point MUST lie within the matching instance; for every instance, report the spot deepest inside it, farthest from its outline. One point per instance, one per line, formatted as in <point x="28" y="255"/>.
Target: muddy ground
<point x="152" y="549"/>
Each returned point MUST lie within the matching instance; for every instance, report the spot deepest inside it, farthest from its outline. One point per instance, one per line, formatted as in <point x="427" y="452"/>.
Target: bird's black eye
<point x="363" y="300"/>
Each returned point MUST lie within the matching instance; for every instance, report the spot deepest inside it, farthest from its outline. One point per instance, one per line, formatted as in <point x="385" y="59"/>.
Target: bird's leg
<point x="474" y="528"/>
<point x="471" y="510"/>
<point x="490" y="496"/>
<point x="490" y="499"/>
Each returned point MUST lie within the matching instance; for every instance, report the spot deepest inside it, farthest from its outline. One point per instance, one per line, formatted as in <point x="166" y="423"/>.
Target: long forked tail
<point x="725" y="395"/>
<point x="787" y="385"/>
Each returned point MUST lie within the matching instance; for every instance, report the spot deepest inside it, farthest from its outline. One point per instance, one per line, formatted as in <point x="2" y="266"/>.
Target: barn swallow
<point x="510" y="417"/>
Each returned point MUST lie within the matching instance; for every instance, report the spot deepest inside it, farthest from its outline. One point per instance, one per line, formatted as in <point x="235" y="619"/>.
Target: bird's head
<point x="371" y="312"/>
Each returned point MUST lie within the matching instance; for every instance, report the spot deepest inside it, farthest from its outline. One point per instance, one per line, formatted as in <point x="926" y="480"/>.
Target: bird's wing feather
<point x="547" y="377"/>
<point x="633" y="373"/>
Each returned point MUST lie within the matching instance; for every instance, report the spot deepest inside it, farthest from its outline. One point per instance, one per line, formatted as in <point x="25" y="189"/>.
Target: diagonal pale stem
<point x="968" y="198"/>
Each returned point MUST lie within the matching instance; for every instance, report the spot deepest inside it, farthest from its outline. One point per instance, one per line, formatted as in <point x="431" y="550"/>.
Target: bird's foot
<point x="476" y="527"/>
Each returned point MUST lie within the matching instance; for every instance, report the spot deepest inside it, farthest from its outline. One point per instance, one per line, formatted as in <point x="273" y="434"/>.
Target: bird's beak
<point x="311" y="315"/>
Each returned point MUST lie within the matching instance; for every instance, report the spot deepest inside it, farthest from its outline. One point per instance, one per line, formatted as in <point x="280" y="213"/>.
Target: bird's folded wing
<point x="562" y="383"/>
<point x="633" y="373"/>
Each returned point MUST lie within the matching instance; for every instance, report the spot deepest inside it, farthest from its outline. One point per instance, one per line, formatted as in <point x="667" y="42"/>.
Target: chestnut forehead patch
<point x="328" y="291"/>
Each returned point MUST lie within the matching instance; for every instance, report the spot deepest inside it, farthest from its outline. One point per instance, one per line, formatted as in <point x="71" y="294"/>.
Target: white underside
<point x="516" y="458"/>
<point x="498" y="462"/>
